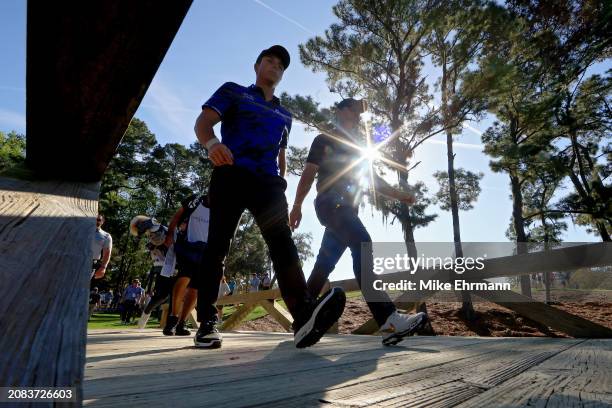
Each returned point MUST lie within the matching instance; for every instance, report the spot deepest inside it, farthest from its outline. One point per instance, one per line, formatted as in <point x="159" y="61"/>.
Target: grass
<point x="113" y="321"/>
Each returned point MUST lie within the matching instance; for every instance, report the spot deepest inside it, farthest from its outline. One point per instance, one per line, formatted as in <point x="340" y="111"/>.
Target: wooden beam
<point x="250" y="297"/>
<point x="547" y="315"/>
<point x="45" y="233"/>
<point x="278" y="313"/>
<point x="89" y="64"/>
<point x="238" y="316"/>
<point x="554" y="260"/>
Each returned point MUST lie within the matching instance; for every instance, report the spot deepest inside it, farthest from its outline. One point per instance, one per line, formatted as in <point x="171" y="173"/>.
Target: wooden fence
<point x="564" y="259"/>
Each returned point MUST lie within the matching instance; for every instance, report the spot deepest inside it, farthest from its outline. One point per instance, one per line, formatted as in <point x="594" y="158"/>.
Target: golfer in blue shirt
<point x="249" y="174"/>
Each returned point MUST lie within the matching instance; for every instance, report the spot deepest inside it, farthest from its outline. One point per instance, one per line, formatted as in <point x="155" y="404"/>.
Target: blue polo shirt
<point x="254" y="129"/>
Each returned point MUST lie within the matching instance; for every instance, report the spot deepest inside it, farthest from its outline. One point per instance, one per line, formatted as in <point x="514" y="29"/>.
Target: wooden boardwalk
<point x="132" y="368"/>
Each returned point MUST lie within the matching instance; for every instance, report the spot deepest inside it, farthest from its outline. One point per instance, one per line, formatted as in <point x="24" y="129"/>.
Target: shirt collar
<point x="258" y="90"/>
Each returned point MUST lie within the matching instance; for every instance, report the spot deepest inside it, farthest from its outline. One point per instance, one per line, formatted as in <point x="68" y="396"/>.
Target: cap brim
<point x="280" y="52"/>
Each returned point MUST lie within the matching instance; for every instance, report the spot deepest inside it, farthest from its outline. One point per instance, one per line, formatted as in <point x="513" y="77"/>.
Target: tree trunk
<point x="408" y="230"/>
<point x="603" y="231"/>
<point x="547" y="275"/>
<point x="406" y="220"/>
<point x="519" y="227"/>
<point x="466" y="308"/>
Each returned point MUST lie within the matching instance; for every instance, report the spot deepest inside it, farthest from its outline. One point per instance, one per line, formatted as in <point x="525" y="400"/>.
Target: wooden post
<point x="46" y="230"/>
<point x="89" y="64"/>
<point x="278" y="313"/>
<point x="238" y="316"/>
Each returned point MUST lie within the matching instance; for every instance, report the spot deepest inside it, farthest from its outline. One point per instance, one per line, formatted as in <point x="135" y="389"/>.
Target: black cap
<point x="359" y="104"/>
<point x="278" y="51"/>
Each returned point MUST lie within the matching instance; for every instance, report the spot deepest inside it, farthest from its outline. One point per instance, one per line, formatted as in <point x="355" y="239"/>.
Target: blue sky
<point x="219" y="42"/>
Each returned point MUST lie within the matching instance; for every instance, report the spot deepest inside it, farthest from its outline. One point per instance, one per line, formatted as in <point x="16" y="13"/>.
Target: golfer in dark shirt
<point x="341" y="165"/>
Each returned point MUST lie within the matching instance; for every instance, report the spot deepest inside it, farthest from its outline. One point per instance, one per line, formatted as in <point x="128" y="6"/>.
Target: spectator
<point x="265" y="283"/>
<point x="94" y="301"/>
<point x="101" y="247"/>
<point x="231" y="285"/>
<point x="109" y="298"/>
<point x="131" y="298"/>
<point x="254" y="283"/>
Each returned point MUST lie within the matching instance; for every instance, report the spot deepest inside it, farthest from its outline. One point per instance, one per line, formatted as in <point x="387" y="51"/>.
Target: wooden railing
<point x="564" y="259"/>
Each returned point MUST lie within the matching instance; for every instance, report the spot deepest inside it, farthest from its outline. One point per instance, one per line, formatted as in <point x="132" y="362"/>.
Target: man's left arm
<point x="282" y="161"/>
<point x="106" y="254"/>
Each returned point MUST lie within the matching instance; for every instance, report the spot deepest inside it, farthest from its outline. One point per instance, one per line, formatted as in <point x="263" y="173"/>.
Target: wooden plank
<point x="45" y="246"/>
<point x="299" y="373"/>
<point x="279" y="313"/>
<point x="238" y="316"/>
<point x="533" y="390"/>
<point x="442" y="385"/>
<point x="254" y="358"/>
<point x="260" y="361"/>
<point x="577" y="377"/>
<point x="589" y="364"/>
<point x="161" y="355"/>
<point x="94" y="60"/>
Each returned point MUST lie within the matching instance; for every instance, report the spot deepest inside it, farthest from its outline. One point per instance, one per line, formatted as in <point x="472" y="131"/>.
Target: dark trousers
<point x="344" y="229"/>
<point x="163" y="291"/>
<point x="153" y="274"/>
<point x="129" y="308"/>
<point x="233" y="190"/>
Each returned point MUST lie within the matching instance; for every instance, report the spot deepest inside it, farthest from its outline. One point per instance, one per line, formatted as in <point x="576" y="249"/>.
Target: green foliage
<point x="416" y="212"/>
<point x="584" y="122"/>
<point x="296" y="160"/>
<point x="467" y="187"/>
<point x="12" y="150"/>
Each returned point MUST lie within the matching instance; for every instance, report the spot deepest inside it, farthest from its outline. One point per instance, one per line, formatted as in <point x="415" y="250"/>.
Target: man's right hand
<point x="295" y="217"/>
<point x="220" y="154"/>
